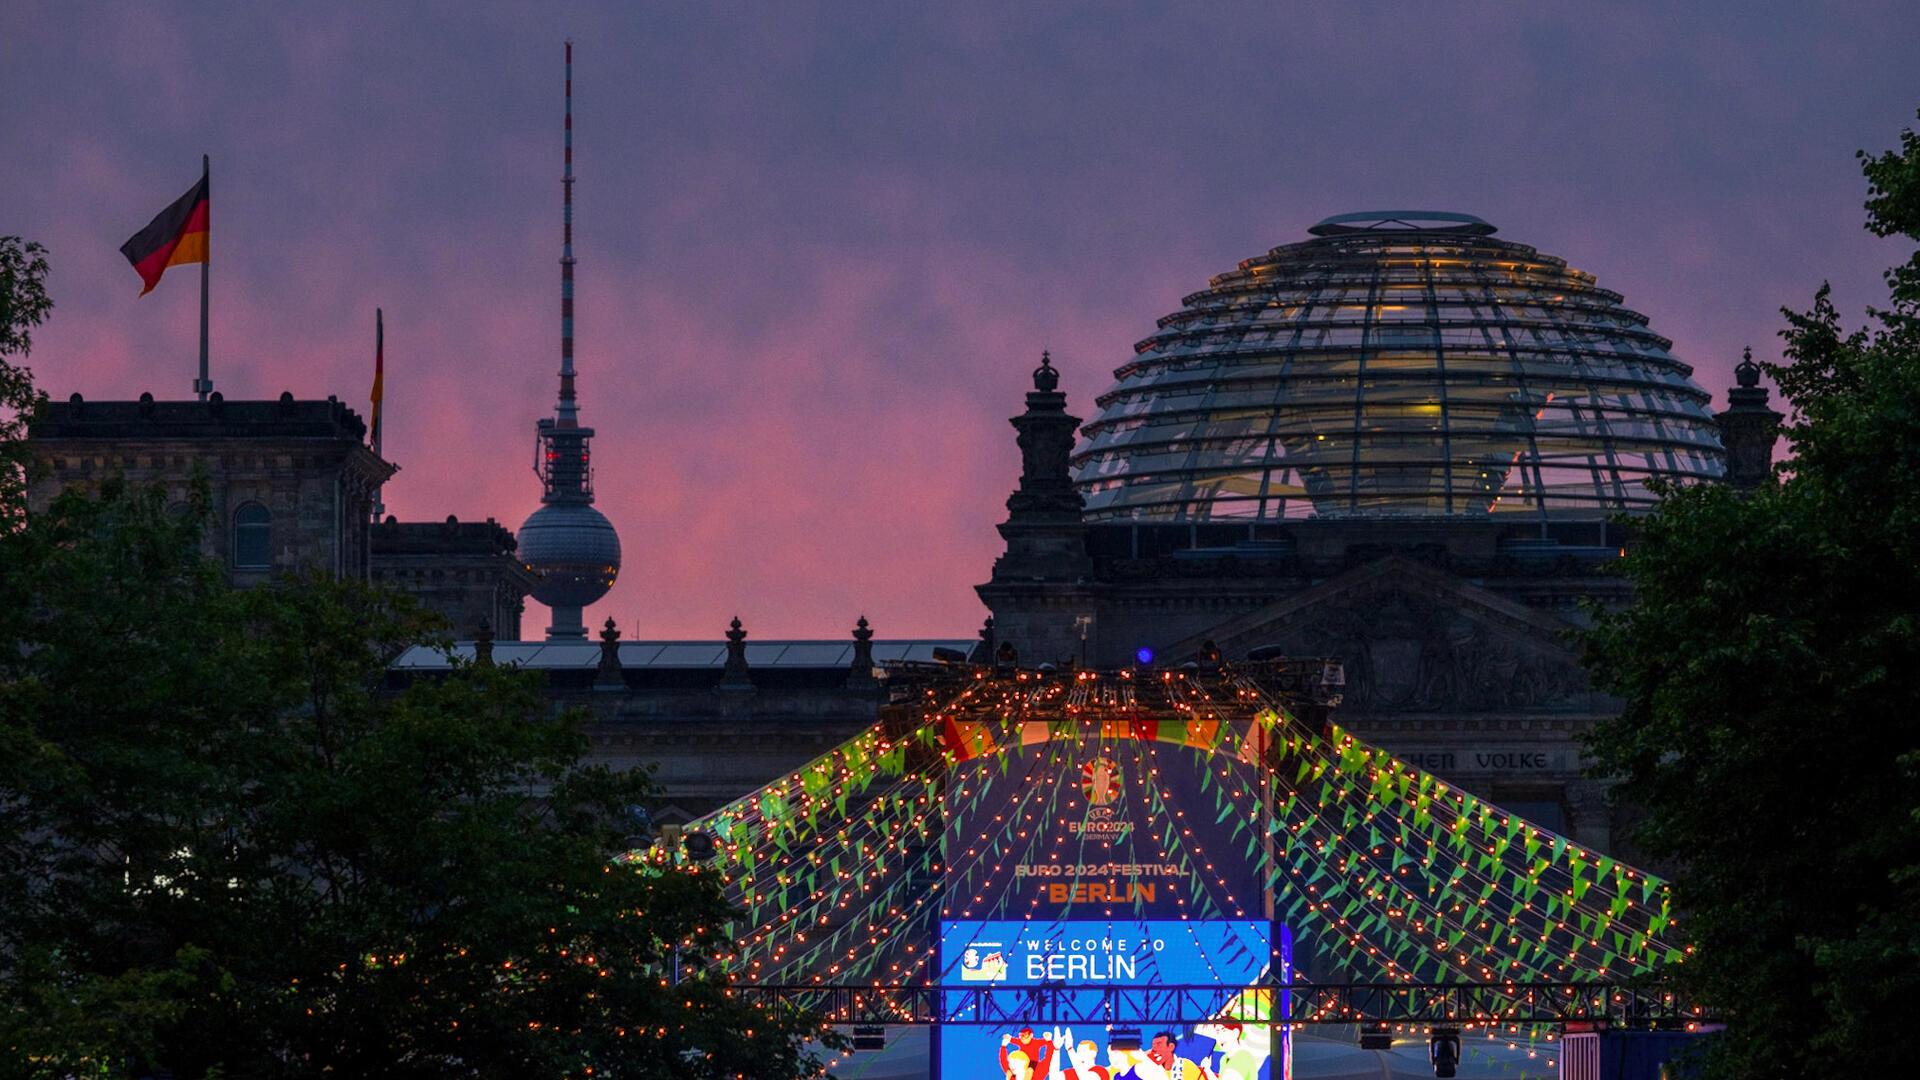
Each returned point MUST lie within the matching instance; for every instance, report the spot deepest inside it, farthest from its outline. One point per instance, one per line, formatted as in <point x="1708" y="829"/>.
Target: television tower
<point x="570" y="548"/>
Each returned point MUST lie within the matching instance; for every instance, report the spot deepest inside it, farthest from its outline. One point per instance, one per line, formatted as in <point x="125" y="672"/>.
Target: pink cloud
<point x="820" y="253"/>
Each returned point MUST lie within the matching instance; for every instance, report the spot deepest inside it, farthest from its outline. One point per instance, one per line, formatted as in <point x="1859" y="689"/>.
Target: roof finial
<point x="608" y="672"/>
<point x="1045" y="378"/>
<point x="1746" y="372"/>
<point x="734" y="675"/>
<point x="861" y="672"/>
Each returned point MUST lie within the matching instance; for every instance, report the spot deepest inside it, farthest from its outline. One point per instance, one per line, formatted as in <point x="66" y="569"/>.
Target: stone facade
<point x="714" y="719"/>
<point x="291" y="482"/>
<point x="464" y="570"/>
<point x="1456" y="633"/>
<point x="710" y="746"/>
<point x="292" y="485"/>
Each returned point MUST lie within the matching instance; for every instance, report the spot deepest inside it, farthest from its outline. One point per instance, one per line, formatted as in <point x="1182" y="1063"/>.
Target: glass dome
<point x="1399" y="363"/>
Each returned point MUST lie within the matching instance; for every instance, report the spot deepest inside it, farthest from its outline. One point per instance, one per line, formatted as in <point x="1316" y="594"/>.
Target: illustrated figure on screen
<point x="1082" y="1056"/>
<point x="1134" y="1065"/>
<point x="1162" y="1063"/>
<point x="1241" y="1053"/>
<point x="1122" y="1062"/>
<point x="1034" y="1054"/>
<point x="1139" y="1066"/>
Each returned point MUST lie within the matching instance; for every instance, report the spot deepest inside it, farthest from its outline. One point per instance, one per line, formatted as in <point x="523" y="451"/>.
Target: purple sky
<point x="821" y="247"/>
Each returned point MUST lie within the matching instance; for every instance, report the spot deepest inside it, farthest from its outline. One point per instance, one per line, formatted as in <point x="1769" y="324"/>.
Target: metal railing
<point x="1346" y="1003"/>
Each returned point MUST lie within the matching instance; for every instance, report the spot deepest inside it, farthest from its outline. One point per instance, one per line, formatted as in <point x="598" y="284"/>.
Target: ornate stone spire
<point x="1046" y="538"/>
<point x="1748" y="427"/>
<point x="1046" y="445"/>
<point x="736" y="676"/>
<point x="861" y="673"/>
<point x="609" y="676"/>
<point x="1045" y="378"/>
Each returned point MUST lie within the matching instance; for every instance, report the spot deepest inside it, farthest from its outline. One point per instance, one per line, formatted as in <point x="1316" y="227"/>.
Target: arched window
<point x="252" y="537"/>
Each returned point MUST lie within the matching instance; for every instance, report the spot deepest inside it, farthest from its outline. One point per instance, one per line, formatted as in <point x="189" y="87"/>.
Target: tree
<point x="1771" y="677"/>
<point x="229" y="847"/>
<point x="23" y="305"/>
<point x="225" y="832"/>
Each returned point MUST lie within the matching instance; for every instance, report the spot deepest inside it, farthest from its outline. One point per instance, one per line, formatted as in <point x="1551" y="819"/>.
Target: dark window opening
<point x="253" y="537"/>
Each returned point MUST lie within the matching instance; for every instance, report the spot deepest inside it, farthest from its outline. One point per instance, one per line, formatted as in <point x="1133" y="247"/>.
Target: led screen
<point x="1102" y="827"/>
<point x="1129" y="952"/>
<point x="1091" y="869"/>
<point x="991" y="971"/>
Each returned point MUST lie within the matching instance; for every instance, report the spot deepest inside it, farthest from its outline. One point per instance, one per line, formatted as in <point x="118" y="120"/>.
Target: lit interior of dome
<point x="1401" y="362"/>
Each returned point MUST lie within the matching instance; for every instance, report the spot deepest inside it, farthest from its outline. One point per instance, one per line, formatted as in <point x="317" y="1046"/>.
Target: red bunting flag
<point x="967" y="739"/>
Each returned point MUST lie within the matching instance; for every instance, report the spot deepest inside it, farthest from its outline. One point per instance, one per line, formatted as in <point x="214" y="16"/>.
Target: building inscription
<point x="1493" y="759"/>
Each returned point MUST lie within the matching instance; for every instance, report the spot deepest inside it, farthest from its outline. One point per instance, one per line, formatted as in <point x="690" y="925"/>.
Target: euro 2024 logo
<point x="1100" y="783"/>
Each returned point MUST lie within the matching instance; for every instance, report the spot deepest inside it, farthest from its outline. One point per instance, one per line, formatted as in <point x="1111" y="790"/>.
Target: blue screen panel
<point x="991" y="971"/>
<point x="1097" y="1052"/>
<point x="1122" y="952"/>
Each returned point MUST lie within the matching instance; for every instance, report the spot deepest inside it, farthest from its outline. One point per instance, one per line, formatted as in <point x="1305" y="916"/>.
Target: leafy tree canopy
<point x="1771" y="674"/>
<point x="229" y="848"/>
<point x="23" y="305"/>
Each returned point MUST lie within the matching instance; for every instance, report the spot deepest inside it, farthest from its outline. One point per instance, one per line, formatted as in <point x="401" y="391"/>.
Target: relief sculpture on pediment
<point x="1406" y="652"/>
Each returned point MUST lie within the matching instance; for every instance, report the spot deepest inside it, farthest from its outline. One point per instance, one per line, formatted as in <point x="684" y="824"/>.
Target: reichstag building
<point x="1402" y="442"/>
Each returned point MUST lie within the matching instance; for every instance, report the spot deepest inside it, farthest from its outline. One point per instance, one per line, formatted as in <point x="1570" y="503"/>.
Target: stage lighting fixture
<point x="700" y="846"/>
<point x="1443" y="1049"/>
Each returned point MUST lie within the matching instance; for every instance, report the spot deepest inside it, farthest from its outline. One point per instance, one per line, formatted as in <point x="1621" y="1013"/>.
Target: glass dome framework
<point x="1399" y="363"/>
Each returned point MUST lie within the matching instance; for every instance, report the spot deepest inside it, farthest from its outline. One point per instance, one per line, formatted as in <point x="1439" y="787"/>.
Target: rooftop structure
<point x="1399" y="363"/>
<point x="770" y="660"/>
<point x="467" y="571"/>
<point x="712" y="718"/>
<point x="286" y="418"/>
<point x="291" y="482"/>
<point x="1402" y="443"/>
<point x="570" y="548"/>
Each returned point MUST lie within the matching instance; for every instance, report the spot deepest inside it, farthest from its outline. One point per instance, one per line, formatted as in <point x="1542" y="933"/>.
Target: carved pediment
<point x="1415" y="639"/>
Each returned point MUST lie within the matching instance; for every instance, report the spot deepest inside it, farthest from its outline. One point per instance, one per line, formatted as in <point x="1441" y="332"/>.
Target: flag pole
<point x="379" y="396"/>
<point x="203" y="384"/>
<point x="379" y="371"/>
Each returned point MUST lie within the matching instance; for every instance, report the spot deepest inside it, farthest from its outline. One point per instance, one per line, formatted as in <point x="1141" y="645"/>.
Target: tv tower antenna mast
<point x="566" y="414"/>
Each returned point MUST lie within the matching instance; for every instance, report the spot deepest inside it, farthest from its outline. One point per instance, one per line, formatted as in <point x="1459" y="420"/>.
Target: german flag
<point x="967" y="739"/>
<point x="176" y="237"/>
<point x="379" y="371"/>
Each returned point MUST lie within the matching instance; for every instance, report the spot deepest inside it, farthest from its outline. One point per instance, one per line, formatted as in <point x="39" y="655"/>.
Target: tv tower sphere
<point x="573" y="551"/>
